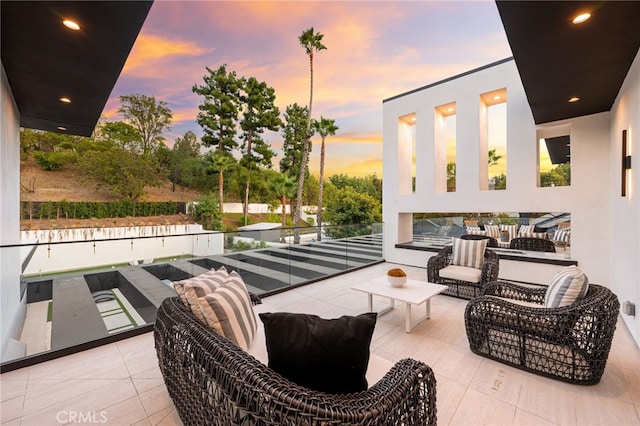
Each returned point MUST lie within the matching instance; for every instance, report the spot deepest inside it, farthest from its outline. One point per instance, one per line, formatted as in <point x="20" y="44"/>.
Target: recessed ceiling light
<point x="65" y="100"/>
<point x="62" y="128"/>
<point x="581" y="18"/>
<point x="574" y="99"/>
<point x="450" y="109"/>
<point x="413" y="119"/>
<point x="71" y="25"/>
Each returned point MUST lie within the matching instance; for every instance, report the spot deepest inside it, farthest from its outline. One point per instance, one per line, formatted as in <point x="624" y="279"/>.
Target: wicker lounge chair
<point x="458" y="288"/>
<point x="570" y="343"/>
<point x="532" y="244"/>
<point x="214" y="382"/>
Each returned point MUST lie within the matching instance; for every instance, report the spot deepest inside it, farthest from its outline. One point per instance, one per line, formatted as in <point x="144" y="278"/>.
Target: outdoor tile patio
<point x="121" y="382"/>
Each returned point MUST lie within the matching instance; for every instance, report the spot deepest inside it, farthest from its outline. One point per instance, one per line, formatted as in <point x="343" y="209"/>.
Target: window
<point x="554" y="157"/>
<point x="494" y="132"/>
<point x="445" y="146"/>
<point x="406" y="153"/>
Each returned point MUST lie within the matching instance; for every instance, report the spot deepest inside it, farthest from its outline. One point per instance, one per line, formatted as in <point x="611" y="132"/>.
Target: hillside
<point x="40" y="185"/>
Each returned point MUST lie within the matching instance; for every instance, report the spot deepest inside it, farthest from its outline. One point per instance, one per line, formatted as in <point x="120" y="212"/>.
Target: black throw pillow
<point x="326" y="355"/>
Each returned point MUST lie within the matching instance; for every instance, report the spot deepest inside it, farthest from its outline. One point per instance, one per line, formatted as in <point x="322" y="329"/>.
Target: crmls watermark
<point x="96" y="417"/>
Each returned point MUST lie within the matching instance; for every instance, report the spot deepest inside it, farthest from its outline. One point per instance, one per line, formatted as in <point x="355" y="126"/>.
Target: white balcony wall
<point x="586" y="199"/>
<point x="125" y="246"/>
<point x="12" y="310"/>
<point x="625" y="224"/>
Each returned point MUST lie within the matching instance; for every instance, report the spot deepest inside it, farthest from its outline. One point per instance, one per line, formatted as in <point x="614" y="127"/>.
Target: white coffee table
<point x="414" y="292"/>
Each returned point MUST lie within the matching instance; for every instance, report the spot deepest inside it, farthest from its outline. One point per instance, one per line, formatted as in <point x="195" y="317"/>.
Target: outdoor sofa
<point x="212" y="381"/>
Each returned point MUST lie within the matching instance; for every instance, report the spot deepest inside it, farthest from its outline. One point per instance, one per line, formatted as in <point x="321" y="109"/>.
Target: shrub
<point x="208" y="213"/>
<point x="54" y="160"/>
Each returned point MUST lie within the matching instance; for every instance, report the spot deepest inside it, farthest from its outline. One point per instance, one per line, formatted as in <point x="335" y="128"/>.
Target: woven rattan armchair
<point x="213" y="382"/>
<point x="491" y="242"/>
<point x="457" y="288"/>
<point x="532" y="244"/>
<point x="570" y="343"/>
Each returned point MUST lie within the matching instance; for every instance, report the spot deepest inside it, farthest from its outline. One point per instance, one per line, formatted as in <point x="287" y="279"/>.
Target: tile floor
<point x="120" y="383"/>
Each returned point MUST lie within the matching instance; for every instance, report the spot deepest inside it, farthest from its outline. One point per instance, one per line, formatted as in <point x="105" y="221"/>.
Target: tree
<point x="293" y="133"/>
<point x="183" y="150"/>
<point x="369" y="184"/>
<point x="451" y="177"/>
<point x="558" y="176"/>
<point x="124" y="173"/>
<point x="312" y="42"/>
<point x="493" y="157"/>
<point x="283" y="187"/>
<point x="218" y="114"/>
<point x="324" y="127"/>
<point x="122" y="134"/>
<point x="207" y="211"/>
<point x="149" y="117"/>
<point x="260" y="114"/>
<point x="500" y="181"/>
<point x="188" y="144"/>
<point x="221" y="162"/>
<point x="348" y="207"/>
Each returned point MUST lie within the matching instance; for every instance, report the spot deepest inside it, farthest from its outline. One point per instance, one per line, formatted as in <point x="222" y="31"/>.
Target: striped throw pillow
<point x="569" y="285"/>
<point x="476" y="232"/>
<point x="471" y="229"/>
<point x="562" y="236"/>
<point x="511" y="229"/>
<point x="469" y="253"/>
<point x="207" y="276"/>
<point x="201" y="285"/>
<point x="228" y="311"/>
<point x="493" y="231"/>
<point x="526" y="229"/>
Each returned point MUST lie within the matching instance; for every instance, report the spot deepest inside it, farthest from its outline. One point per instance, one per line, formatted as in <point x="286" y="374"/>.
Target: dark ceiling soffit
<point x="559" y="149"/>
<point x="475" y="70"/>
<point x="44" y="61"/>
<point x="557" y="60"/>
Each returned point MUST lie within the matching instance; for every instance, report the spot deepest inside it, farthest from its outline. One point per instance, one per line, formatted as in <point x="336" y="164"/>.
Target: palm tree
<point x="493" y="157"/>
<point x="312" y="42"/>
<point x="222" y="162"/>
<point x="282" y="186"/>
<point x="325" y="127"/>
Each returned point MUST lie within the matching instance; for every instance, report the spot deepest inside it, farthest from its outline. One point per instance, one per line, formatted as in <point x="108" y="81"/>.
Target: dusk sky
<point x="374" y="50"/>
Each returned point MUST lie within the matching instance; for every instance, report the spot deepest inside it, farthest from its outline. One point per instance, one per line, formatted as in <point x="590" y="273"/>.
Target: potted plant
<point x="396" y="277"/>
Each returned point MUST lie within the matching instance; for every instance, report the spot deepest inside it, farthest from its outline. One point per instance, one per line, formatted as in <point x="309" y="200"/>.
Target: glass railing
<point x="80" y="288"/>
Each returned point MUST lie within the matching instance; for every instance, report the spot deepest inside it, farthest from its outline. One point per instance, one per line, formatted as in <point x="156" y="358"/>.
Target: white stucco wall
<point x="12" y="311"/>
<point x="586" y="199"/>
<point x="625" y="223"/>
<point x="123" y="245"/>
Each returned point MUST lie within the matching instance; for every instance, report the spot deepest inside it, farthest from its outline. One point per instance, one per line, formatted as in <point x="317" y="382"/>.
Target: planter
<point x="396" y="281"/>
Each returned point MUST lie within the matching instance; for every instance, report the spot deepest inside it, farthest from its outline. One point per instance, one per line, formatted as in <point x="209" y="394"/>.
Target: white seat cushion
<point x="461" y="273"/>
<point x="376" y="369"/>
<point x="521" y="302"/>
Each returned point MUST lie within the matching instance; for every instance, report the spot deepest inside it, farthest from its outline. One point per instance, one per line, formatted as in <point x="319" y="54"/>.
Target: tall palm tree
<point x="282" y="186"/>
<point x="222" y="162"/>
<point x="325" y="127"/>
<point x="312" y="42"/>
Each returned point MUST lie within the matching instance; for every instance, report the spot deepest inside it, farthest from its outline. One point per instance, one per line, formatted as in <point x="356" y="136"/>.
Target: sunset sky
<point x="374" y="50"/>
